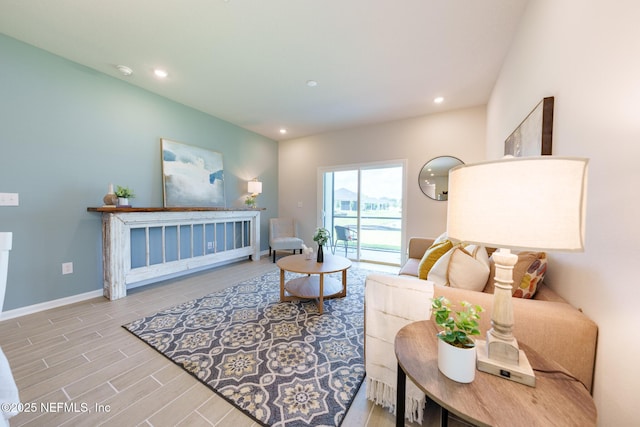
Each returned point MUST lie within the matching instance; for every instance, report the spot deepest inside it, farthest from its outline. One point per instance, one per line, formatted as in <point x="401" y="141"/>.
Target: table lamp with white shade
<point x="524" y="203"/>
<point x="255" y="188"/>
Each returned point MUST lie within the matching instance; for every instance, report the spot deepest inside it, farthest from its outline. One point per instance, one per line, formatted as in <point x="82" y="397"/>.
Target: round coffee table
<point x="314" y="285"/>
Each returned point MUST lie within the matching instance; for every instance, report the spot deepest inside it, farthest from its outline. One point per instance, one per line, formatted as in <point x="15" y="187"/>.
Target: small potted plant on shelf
<point x="124" y="194"/>
<point x="456" y="348"/>
<point x="321" y="236"/>
<point x="250" y="201"/>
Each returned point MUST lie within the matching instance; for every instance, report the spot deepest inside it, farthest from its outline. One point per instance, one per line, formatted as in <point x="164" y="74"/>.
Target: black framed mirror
<point x="433" y="179"/>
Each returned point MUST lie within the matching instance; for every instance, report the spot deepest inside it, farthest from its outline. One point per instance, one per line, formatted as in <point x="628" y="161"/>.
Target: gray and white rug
<point x="281" y="363"/>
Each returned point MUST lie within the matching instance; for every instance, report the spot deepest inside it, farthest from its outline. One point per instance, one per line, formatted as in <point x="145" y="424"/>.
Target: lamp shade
<point x="520" y="203"/>
<point x="254" y="187"/>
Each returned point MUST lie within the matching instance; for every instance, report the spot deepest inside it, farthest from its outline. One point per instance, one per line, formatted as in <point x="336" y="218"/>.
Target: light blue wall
<point x="66" y="132"/>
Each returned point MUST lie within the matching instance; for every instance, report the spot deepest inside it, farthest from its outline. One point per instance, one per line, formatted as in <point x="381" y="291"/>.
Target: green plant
<point x="456" y="330"/>
<point x="321" y="236"/>
<point x="250" y="200"/>
<point x="124" y="192"/>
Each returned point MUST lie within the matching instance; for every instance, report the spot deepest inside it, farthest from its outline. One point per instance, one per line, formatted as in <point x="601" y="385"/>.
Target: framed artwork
<point x="191" y="176"/>
<point x="533" y="136"/>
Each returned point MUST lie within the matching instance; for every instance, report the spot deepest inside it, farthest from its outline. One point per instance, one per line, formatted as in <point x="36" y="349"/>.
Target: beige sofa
<point x="546" y="323"/>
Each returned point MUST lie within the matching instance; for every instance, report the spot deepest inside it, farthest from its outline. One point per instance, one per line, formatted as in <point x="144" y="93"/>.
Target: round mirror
<point x="434" y="177"/>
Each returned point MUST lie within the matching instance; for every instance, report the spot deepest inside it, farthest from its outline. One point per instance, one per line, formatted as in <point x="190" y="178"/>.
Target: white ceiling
<point x="248" y="61"/>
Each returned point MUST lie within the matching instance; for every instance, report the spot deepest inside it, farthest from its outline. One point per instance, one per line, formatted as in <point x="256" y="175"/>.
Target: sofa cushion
<point x="532" y="278"/>
<point x="528" y="272"/>
<point x="432" y="254"/>
<point x="439" y="272"/>
<point x="463" y="267"/>
<point x="410" y="268"/>
<point x="469" y="268"/>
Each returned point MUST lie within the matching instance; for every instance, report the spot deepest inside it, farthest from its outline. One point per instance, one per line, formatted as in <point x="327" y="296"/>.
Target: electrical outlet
<point x="9" y="199"/>
<point x="67" y="267"/>
<point x="210" y="246"/>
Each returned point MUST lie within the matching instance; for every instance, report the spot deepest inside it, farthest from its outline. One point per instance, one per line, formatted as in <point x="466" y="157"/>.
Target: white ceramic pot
<point x="123" y="201"/>
<point x="458" y="364"/>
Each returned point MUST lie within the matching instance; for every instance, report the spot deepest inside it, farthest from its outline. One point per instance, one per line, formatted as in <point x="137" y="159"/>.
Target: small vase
<point x="320" y="254"/>
<point x="110" y="199"/>
<point x="458" y="364"/>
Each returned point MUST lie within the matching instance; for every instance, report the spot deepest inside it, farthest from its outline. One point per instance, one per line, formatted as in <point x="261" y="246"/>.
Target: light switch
<point x="299" y="204"/>
<point x="9" y="199"/>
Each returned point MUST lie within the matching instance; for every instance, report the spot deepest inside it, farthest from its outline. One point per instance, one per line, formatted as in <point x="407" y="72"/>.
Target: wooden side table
<point x="490" y="400"/>
<point x="316" y="286"/>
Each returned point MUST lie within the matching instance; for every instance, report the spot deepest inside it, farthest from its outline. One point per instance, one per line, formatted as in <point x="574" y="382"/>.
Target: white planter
<point x="458" y="364"/>
<point x="123" y="201"/>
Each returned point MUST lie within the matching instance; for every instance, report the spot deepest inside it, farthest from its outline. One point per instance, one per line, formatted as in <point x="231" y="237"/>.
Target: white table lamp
<point x="524" y="203"/>
<point x="254" y="187"/>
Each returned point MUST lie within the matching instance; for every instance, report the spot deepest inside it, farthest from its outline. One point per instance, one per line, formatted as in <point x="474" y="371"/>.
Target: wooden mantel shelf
<point x="174" y="209"/>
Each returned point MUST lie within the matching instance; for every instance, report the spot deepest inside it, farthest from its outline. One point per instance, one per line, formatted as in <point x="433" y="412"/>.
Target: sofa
<point x="546" y="323"/>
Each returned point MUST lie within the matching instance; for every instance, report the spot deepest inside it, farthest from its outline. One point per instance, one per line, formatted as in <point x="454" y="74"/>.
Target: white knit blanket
<point x="392" y="302"/>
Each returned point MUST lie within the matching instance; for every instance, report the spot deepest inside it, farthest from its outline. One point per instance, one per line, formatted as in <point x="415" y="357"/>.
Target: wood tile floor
<point x="87" y="370"/>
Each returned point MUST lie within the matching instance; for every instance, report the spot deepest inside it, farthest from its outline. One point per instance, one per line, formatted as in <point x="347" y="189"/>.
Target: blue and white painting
<point x="191" y="176"/>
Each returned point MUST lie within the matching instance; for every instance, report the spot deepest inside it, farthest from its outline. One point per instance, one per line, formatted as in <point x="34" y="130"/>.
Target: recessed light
<point x="438" y="100"/>
<point x="124" y="70"/>
<point x="312" y="83"/>
<point x="283" y="131"/>
<point x="160" y="73"/>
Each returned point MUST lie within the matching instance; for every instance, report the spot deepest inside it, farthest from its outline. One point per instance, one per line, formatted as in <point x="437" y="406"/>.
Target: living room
<point x="68" y="131"/>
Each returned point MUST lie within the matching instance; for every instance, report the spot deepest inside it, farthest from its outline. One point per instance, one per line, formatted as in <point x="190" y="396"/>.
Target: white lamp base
<point x="521" y="373"/>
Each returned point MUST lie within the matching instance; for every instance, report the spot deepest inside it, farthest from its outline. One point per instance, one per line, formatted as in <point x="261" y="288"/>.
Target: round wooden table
<point x="489" y="400"/>
<point x="314" y="285"/>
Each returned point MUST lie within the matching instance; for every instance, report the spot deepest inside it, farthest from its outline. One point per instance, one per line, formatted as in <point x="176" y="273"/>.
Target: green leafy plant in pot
<point x="124" y="194"/>
<point x="456" y="348"/>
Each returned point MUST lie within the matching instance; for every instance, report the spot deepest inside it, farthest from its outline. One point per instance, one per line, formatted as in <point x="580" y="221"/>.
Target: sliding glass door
<point x="363" y="209"/>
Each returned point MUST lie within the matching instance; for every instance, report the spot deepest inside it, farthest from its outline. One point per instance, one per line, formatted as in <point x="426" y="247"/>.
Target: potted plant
<point x="124" y="194"/>
<point x="321" y="236"/>
<point x="456" y="348"/>
<point x="250" y="201"/>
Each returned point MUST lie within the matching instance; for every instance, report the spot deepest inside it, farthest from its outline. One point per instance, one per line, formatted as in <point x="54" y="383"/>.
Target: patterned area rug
<point x="281" y="363"/>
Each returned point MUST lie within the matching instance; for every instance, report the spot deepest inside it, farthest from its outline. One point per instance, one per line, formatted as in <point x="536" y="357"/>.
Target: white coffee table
<point x="314" y="285"/>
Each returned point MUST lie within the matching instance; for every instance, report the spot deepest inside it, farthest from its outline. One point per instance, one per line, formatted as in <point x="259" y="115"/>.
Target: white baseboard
<point x="23" y="311"/>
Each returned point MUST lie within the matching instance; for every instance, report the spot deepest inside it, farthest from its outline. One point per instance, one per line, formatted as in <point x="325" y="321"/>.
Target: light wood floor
<point x="89" y="371"/>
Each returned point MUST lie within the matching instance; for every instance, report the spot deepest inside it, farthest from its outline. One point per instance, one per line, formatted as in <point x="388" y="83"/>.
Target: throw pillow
<point x="441" y="238"/>
<point x="528" y="272"/>
<point x="530" y="280"/>
<point x="432" y="254"/>
<point x="438" y="273"/>
<point x="469" y="268"/>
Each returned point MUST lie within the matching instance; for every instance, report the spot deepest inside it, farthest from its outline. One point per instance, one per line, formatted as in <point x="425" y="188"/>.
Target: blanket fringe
<point x="384" y="395"/>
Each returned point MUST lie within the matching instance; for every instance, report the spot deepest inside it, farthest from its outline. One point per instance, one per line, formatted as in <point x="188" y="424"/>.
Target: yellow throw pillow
<point x="430" y="257"/>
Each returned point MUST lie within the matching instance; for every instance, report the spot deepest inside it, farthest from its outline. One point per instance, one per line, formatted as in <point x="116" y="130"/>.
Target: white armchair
<point x="283" y="235"/>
